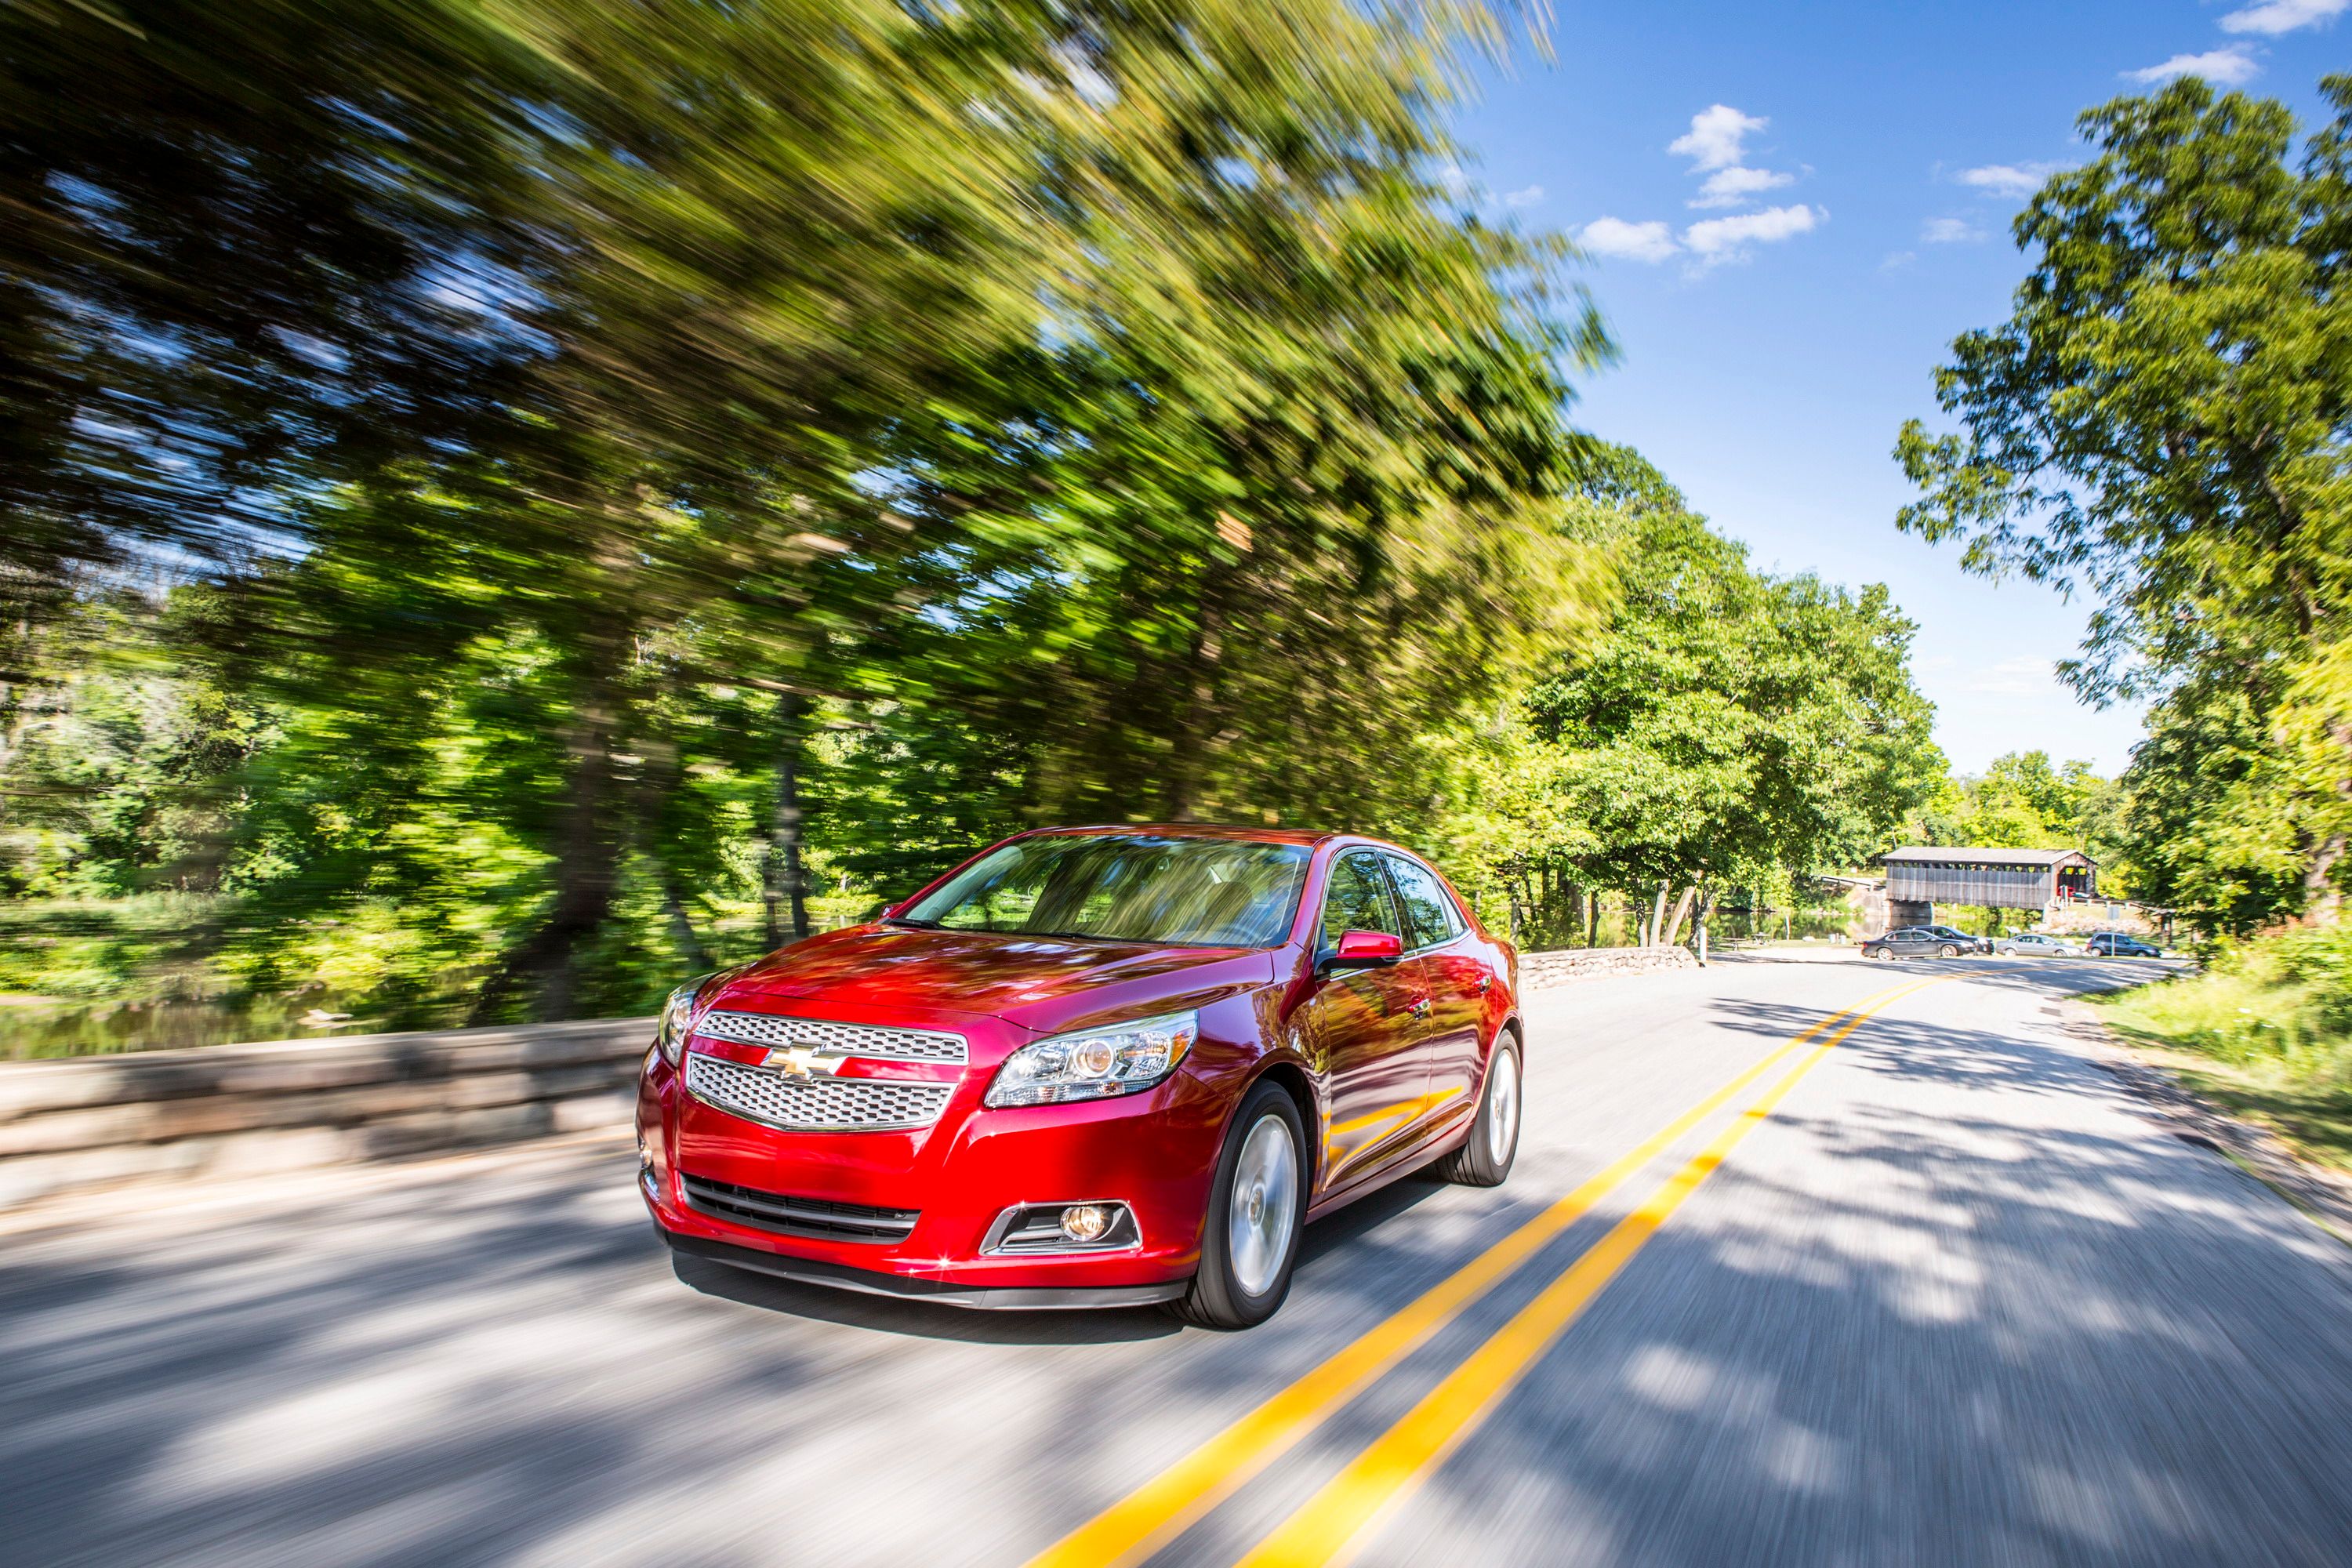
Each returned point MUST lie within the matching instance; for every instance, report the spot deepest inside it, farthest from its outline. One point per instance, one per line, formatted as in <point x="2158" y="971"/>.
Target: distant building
<point x="1920" y="879"/>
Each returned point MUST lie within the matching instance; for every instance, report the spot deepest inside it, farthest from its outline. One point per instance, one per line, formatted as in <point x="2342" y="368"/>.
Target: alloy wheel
<point x="1503" y="1108"/>
<point x="1262" y="1216"/>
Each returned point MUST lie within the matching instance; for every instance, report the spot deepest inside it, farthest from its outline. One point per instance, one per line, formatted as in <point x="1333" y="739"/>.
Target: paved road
<point x="1954" y="1299"/>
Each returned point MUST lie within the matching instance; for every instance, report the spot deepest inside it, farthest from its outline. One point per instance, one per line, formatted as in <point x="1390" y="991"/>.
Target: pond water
<point x="32" y="1029"/>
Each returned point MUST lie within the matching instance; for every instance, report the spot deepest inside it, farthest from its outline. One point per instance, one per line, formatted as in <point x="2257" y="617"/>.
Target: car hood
<point x="1038" y="982"/>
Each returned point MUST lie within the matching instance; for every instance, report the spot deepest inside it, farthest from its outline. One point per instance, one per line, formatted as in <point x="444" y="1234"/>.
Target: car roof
<point x="1197" y="830"/>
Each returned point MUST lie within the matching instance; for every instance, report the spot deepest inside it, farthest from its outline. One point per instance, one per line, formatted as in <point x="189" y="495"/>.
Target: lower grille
<point x="814" y="1104"/>
<point x="798" y="1216"/>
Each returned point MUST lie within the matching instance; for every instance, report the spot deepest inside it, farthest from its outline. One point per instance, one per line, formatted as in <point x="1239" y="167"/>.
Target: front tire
<point x="1485" y="1160"/>
<point x="1949" y="951"/>
<point x="1258" y="1207"/>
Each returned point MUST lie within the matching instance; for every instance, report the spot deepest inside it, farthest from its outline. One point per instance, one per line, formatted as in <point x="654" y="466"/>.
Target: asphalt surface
<point x="1957" y="1299"/>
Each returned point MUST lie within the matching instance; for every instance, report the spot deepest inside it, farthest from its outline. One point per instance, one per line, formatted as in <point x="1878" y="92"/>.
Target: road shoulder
<point x="2320" y="1194"/>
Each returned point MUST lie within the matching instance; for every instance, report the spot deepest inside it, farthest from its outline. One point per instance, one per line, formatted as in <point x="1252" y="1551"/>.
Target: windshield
<point x="1125" y="887"/>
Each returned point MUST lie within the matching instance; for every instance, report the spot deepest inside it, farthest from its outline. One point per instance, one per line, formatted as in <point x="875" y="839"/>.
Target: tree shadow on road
<point x="1942" y="1321"/>
<point x="1972" y="1307"/>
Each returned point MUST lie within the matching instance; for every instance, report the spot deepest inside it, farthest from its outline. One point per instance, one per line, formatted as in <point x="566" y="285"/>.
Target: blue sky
<point x="1792" y="211"/>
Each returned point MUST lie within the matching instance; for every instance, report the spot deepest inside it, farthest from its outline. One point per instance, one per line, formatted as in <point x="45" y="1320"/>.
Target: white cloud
<point x="1647" y="242"/>
<point x="1717" y="147"/>
<point x="2228" y="66"/>
<point x="2275" y="17"/>
<point x="1949" y="231"/>
<point x="1714" y="138"/>
<point x="1526" y="198"/>
<point x="1897" y="259"/>
<point x="1734" y="186"/>
<point x="1727" y="238"/>
<point x="2007" y="179"/>
<point x="1454" y="179"/>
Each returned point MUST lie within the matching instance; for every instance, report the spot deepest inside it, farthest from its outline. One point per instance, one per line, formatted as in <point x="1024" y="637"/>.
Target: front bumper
<point x="997" y="1298"/>
<point x="1155" y="1153"/>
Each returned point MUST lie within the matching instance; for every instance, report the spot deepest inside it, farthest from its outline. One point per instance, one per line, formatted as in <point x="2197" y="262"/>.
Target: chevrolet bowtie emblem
<point x="802" y="1061"/>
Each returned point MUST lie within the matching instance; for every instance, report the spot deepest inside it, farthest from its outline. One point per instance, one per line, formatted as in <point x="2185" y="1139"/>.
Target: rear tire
<point x="1260" y="1181"/>
<point x="1949" y="951"/>
<point x="1485" y="1160"/>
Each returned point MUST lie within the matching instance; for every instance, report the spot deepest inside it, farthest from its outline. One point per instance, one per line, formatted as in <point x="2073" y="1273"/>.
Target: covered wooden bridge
<point x="1920" y="879"/>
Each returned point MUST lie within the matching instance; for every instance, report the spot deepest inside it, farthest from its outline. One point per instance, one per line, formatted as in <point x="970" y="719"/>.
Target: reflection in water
<point x="30" y="1029"/>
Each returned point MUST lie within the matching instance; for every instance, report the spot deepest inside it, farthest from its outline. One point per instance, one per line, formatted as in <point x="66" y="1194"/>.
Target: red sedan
<point x="1088" y="1067"/>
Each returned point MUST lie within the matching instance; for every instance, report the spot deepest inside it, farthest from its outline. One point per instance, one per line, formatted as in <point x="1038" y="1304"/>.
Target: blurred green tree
<point x="620" y="436"/>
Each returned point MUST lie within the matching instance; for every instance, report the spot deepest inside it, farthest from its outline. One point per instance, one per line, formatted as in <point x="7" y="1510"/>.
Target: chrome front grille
<point x="790" y="1216"/>
<point x="814" y="1104"/>
<point x="833" y="1039"/>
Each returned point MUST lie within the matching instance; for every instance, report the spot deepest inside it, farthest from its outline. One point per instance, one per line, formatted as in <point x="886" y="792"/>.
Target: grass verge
<point x="2264" y="1032"/>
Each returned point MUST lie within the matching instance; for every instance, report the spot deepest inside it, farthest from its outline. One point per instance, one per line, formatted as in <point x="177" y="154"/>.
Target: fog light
<point x="645" y="1157"/>
<point x="1085" y="1222"/>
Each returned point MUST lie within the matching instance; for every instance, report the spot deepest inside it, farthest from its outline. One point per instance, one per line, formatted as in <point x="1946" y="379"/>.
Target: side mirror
<point x="1364" y="949"/>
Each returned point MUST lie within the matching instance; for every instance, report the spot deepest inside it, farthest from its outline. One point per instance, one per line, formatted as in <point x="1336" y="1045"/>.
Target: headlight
<point x="1094" y="1064"/>
<point x="677" y="1018"/>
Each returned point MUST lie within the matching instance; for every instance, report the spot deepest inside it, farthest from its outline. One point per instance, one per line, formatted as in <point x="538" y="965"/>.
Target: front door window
<point x="1366" y="1027"/>
<point x="1453" y="978"/>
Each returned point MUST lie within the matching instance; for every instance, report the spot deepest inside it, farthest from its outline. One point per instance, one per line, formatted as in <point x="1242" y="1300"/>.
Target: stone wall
<point x="1565" y="965"/>
<point x="96" y="1120"/>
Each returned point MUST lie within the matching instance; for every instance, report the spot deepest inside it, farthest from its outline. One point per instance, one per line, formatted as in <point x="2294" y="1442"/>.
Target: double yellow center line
<point x="1158" y="1511"/>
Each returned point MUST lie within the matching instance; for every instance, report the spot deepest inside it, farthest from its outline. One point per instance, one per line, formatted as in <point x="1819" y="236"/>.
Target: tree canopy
<point x="1724" y="727"/>
<point x="2163" y="423"/>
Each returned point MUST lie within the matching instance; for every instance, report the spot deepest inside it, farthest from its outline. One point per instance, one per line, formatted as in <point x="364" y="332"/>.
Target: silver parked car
<point x="2037" y="945"/>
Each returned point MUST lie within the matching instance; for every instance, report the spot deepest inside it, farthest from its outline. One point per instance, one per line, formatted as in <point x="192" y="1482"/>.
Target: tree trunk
<point x="1682" y="907"/>
<point x="2323" y="901"/>
<point x="587" y="866"/>
<point x="1188" y="767"/>
<point x="659" y="778"/>
<point x="783" y="882"/>
<point x="1649" y="933"/>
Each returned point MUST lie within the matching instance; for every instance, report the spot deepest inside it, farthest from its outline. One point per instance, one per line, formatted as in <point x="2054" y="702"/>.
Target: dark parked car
<point x="2116" y="944"/>
<point x="1965" y="942"/>
<point x="1922" y="942"/>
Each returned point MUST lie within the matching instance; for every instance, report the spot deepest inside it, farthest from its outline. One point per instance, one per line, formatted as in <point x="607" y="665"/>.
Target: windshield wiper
<point x="910" y="921"/>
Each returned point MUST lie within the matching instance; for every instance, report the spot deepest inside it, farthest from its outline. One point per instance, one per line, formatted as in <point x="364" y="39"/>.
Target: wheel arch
<point x="1292" y="1080"/>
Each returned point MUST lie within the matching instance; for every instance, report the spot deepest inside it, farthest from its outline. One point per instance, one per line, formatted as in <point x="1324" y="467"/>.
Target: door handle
<point x="1419" y="1009"/>
<point x="1486" y="984"/>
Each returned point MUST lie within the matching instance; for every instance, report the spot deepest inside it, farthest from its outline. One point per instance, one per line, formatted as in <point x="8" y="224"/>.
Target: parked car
<point x="1920" y="942"/>
<point x="2116" y="944"/>
<point x="1088" y="1066"/>
<point x="1965" y="942"/>
<point x="2036" y="945"/>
